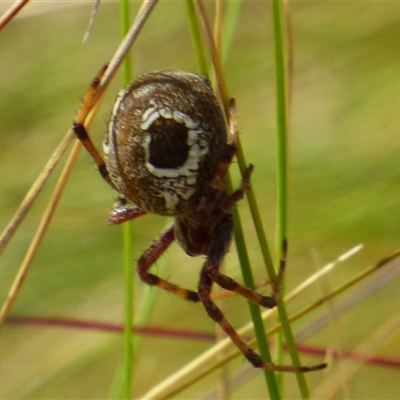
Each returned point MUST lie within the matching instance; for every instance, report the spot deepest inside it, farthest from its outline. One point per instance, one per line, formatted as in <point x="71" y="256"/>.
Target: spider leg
<point x="237" y="195"/>
<point x="151" y="255"/>
<point x="209" y="274"/>
<point x="80" y="130"/>
<point x="123" y="212"/>
<point x="233" y="131"/>
<point x="219" y="247"/>
<point x="233" y="199"/>
<point x="281" y="272"/>
<point x="230" y="150"/>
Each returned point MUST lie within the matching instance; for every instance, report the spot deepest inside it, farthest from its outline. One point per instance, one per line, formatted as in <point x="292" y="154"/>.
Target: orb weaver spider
<point x="167" y="152"/>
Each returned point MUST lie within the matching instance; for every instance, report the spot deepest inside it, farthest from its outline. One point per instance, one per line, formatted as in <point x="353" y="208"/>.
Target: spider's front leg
<point x="79" y="128"/>
<point x="210" y="273"/>
<point x="151" y="255"/>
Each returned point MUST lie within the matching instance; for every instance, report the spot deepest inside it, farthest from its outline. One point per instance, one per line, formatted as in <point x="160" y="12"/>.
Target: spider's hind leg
<point x="219" y="247"/>
<point x="210" y="273"/>
<point x="150" y="256"/>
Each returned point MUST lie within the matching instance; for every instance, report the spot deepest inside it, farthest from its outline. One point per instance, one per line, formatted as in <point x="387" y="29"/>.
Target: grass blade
<point x="127" y="233"/>
<point x="238" y="235"/>
<point x="281" y="77"/>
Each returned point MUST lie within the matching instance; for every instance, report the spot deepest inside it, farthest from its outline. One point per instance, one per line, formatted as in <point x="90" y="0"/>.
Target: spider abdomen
<point x="165" y="138"/>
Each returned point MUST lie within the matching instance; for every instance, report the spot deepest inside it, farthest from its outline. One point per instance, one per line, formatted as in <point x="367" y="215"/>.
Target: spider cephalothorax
<point x="167" y="152"/>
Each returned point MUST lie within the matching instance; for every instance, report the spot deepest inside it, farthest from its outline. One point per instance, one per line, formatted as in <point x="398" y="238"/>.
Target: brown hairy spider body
<point x="167" y="152"/>
<point x="165" y="139"/>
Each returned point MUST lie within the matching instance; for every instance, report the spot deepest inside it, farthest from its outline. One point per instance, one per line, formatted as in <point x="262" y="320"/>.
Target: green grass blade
<point x="255" y="311"/>
<point x="280" y="75"/>
<point x="128" y="309"/>
<point x="281" y="100"/>
<point x="127" y="246"/>
<point x="198" y="45"/>
<point x="125" y="24"/>
<point x="239" y="236"/>
<point x="231" y="16"/>
<point x="257" y="220"/>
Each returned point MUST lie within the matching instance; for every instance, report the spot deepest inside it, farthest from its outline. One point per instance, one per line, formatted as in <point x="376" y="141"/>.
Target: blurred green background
<point x="344" y="185"/>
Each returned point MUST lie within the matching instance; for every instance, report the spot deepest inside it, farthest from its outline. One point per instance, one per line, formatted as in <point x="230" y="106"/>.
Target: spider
<point x="167" y="152"/>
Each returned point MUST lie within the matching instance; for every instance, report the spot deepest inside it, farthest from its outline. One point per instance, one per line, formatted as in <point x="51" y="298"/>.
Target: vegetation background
<point x="344" y="187"/>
